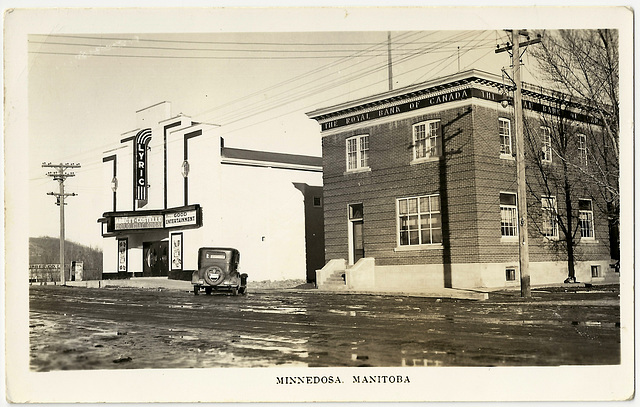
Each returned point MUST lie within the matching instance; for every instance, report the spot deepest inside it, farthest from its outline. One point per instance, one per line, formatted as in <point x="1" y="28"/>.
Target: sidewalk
<point x="165" y="283"/>
<point x="479" y="294"/>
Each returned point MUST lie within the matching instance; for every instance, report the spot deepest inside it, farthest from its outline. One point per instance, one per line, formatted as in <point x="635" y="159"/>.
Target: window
<point x="582" y="149"/>
<point x="355" y="211"/>
<point x="549" y="217"/>
<point x="508" y="215"/>
<point x="546" y="144"/>
<point x="504" y="128"/>
<point x="596" y="271"/>
<point x="510" y="274"/>
<point x="357" y="152"/>
<point x="586" y="218"/>
<point x="419" y="220"/>
<point x="317" y="201"/>
<point x="427" y="140"/>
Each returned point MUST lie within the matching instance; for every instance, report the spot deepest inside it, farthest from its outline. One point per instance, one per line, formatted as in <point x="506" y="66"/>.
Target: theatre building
<point x="172" y="186"/>
<point x="419" y="189"/>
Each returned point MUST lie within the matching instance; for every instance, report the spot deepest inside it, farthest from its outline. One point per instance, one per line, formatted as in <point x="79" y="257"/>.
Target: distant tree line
<point x="46" y="250"/>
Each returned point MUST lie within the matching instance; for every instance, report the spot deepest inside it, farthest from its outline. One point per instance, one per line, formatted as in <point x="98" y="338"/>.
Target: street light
<point x="114" y="184"/>
<point x="185" y="169"/>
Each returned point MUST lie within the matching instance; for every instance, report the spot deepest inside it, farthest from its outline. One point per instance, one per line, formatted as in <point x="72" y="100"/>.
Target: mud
<point x="75" y="328"/>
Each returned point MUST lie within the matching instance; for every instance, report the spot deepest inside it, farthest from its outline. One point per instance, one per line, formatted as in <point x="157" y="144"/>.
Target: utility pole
<point x="389" y="60"/>
<point x="61" y="175"/>
<point x="523" y="247"/>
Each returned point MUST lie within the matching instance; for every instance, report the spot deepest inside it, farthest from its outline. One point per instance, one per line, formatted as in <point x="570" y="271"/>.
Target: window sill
<point x="425" y="160"/>
<point x="357" y="171"/>
<point x="552" y="239"/>
<point x="589" y="240"/>
<point x="507" y="157"/>
<point x="437" y="246"/>
<point x="509" y="239"/>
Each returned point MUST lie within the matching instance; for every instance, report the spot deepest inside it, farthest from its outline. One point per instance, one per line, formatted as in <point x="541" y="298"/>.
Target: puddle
<point x="276" y="310"/>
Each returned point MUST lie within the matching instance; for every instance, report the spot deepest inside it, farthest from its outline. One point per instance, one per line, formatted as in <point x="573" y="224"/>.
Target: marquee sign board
<point x="175" y="219"/>
<point x="138" y="222"/>
<point x="185" y="217"/>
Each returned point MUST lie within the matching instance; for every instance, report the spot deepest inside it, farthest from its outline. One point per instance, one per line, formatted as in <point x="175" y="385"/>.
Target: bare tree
<point x="558" y="156"/>
<point x="584" y="64"/>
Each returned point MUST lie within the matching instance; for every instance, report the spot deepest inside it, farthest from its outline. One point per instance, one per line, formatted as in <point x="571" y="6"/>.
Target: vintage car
<point x="218" y="270"/>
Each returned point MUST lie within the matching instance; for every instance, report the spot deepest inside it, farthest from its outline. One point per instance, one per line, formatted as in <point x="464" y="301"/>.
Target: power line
<point x="324" y="68"/>
<point x="326" y="86"/>
<point x="183" y="49"/>
<point x="137" y="39"/>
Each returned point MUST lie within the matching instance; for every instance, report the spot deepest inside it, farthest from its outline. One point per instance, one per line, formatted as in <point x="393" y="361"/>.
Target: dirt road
<point x="81" y="328"/>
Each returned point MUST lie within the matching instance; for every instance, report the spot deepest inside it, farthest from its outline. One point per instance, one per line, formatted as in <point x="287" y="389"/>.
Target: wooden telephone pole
<point x="61" y="175"/>
<point x="523" y="252"/>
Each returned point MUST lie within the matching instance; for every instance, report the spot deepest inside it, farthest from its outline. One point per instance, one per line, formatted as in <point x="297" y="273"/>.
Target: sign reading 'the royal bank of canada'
<point x="140" y="146"/>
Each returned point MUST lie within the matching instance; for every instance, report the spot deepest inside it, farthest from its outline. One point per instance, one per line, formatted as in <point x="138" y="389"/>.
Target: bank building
<point x="176" y="187"/>
<point x="419" y="188"/>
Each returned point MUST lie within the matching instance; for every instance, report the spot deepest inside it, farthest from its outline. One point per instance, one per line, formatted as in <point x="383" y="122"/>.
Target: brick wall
<point x="393" y="176"/>
<point x="469" y="179"/>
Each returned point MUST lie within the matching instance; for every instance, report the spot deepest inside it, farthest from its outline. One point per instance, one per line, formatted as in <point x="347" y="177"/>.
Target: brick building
<point x="420" y="190"/>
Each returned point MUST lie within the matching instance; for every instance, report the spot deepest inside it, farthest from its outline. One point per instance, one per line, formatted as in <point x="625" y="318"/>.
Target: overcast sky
<point x="89" y="72"/>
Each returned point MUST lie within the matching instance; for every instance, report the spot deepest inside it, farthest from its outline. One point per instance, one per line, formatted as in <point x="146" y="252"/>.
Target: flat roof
<point x="270" y="157"/>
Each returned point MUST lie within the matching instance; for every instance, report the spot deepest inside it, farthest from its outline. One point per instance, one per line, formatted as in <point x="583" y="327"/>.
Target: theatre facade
<point x="420" y="189"/>
<point x="172" y="186"/>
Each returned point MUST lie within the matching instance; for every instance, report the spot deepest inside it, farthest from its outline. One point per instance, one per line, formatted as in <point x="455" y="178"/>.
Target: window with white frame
<point x="358" y="152"/>
<point x="585" y="209"/>
<point x="549" y="217"/>
<point x="582" y="149"/>
<point x="508" y="215"/>
<point x="419" y="220"/>
<point x="427" y="141"/>
<point x="504" y="128"/>
<point x="510" y="274"/>
<point x="546" y="144"/>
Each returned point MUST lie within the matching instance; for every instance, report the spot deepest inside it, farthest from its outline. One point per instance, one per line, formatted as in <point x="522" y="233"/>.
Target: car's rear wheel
<point x="213" y="275"/>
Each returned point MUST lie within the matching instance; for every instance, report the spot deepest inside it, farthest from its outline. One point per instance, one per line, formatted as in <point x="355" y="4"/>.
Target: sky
<point x="84" y="90"/>
<point x="86" y="78"/>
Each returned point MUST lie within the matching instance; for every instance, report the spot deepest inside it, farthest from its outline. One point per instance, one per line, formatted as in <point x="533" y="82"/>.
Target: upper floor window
<point x="585" y="209"/>
<point x="504" y="128"/>
<point x="358" y="152"/>
<point x="427" y="140"/>
<point x="582" y="149"/>
<point x="419" y="220"/>
<point x="549" y="217"/>
<point x="508" y="215"/>
<point x="546" y="144"/>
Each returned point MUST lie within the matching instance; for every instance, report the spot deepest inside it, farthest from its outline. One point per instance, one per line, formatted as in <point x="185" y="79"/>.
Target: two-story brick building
<point x="420" y="191"/>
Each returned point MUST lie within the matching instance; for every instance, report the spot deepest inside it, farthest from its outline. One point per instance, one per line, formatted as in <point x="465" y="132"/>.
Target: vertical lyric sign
<point x="176" y="251"/>
<point x="140" y="185"/>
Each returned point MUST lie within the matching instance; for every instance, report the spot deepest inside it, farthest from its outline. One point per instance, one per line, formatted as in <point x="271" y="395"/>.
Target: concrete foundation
<point x="365" y="275"/>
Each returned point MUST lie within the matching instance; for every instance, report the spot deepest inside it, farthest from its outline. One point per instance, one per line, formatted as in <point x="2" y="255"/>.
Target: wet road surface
<point x="82" y="328"/>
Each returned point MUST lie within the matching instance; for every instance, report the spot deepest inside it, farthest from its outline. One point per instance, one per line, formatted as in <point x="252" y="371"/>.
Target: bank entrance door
<point x="356" y="236"/>
<point x="156" y="259"/>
